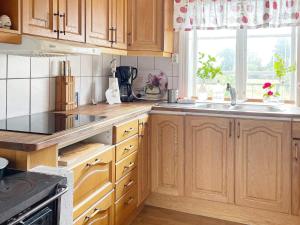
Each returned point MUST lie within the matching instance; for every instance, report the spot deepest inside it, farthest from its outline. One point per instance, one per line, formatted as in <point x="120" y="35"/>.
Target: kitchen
<point x="144" y="112"/>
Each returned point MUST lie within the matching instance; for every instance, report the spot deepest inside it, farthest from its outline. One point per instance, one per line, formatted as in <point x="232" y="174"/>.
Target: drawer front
<point x="127" y="147"/>
<point x="101" y="213"/>
<point x="126" y="165"/>
<point x="125" y="130"/>
<point x="92" y="176"/>
<point x="126" y="206"/>
<point x="126" y="183"/>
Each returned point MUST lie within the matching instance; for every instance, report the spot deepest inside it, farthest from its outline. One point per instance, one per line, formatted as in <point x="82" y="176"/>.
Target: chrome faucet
<point x="232" y="92"/>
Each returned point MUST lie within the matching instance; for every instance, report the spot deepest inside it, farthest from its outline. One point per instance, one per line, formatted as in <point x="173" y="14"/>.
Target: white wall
<point x="27" y="84"/>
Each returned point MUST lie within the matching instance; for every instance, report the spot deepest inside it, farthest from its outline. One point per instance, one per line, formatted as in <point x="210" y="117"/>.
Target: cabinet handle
<point x="129" y="38"/>
<point x="115" y="33"/>
<point x="296" y="151"/>
<point x="128" y="184"/>
<point x="64" y="23"/>
<point x="55" y="15"/>
<point x="238" y="129"/>
<point x="129" y="148"/>
<point x="95" y="163"/>
<point x="129" y="166"/>
<point x="111" y="30"/>
<point x="230" y="128"/>
<point x="96" y="211"/>
<point x="130" y="200"/>
<point x="128" y="131"/>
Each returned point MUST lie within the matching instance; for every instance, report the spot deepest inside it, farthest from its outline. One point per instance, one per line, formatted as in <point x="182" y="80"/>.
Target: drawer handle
<point x="128" y="184"/>
<point x="128" y="131"/>
<point x="130" y="200"/>
<point x="129" y="166"/>
<point x="129" y="148"/>
<point x="95" y="163"/>
<point x="96" y="211"/>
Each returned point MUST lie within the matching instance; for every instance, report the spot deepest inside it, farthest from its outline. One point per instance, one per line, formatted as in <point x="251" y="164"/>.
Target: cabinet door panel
<point x="144" y="166"/>
<point x="98" y="22"/>
<point x="167" y="151"/>
<point x="296" y="179"/>
<point x="39" y="18"/>
<point x="119" y="23"/>
<point x="209" y="158"/>
<point x="72" y="20"/>
<point x="263" y="165"/>
<point x="145" y="25"/>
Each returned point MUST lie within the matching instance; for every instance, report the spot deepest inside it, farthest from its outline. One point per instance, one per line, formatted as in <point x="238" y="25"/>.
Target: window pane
<point x="262" y="45"/>
<point x="222" y="45"/>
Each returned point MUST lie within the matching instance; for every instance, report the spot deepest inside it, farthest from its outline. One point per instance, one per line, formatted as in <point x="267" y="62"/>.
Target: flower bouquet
<point x="270" y="94"/>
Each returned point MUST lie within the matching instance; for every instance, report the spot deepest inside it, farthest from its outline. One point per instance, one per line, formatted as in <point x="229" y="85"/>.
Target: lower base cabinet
<point x="102" y="213"/>
<point x="296" y="178"/>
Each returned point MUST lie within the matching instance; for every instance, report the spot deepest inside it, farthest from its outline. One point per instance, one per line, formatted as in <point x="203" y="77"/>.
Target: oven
<point x="45" y="212"/>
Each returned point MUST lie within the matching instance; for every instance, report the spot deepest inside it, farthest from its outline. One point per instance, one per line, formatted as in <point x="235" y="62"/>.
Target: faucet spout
<point x="232" y="92"/>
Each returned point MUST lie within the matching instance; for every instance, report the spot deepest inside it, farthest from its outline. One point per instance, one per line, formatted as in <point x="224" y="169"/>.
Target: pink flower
<point x="267" y="85"/>
<point x="270" y="93"/>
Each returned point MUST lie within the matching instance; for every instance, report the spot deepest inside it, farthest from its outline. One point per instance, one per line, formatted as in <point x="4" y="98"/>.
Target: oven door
<point x="43" y="217"/>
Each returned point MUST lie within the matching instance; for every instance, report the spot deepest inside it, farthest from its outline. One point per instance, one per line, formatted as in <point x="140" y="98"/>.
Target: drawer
<point x="100" y="213"/>
<point x="126" y="147"/>
<point x="296" y="130"/>
<point x="125" y="130"/>
<point x="126" y="183"/>
<point x="93" y="178"/>
<point x="125" y="206"/>
<point x="126" y="165"/>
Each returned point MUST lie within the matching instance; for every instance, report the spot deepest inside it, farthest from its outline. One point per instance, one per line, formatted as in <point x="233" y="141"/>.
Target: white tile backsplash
<point x="18" y="96"/>
<point x="2" y="99"/>
<point x="18" y="67"/>
<point x="40" y="67"/>
<point x="97" y="66"/>
<point x="40" y="95"/>
<point x="86" y="65"/>
<point x="129" y="61"/>
<point x="145" y="63"/>
<point x="165" y="65"/>
<point x="106" y="67"/>
<point x="75" y="65"/>
<point x="85" y="90"/>
<point x="3" y="66"/>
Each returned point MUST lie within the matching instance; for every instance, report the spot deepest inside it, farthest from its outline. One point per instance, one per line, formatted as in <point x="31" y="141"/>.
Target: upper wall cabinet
<point x="106" y="23"/>
<point x="150" y="26"/>
<point x="45" y="18"/>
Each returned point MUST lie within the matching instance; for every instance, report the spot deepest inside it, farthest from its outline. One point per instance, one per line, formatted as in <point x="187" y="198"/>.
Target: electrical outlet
<point x="175" y="58"/>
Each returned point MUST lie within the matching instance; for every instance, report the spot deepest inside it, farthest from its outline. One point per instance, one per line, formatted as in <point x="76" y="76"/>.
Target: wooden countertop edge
<point x="64" y="138"/>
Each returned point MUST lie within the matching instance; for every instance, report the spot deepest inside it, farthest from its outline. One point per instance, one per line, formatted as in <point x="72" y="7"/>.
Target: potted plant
<point x="208" y="70"/>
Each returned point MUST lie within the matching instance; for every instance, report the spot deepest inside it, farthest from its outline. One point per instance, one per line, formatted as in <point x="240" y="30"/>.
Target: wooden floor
<point x="158" y="216"/>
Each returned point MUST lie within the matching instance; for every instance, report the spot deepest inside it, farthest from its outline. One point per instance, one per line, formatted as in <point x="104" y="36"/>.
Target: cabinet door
<point x="144" y="166"/>
<point x="167" y="151"/>
<point x="72" y="20"/>
<point x="263" y="164"/>
<point x="209" y="158"/>
<point x="145" y="25"/>
<point x="98" y="24"/>
<point x="39" y="18"/>
<point x="296" y="179"/>
<point x="119" y="24"/>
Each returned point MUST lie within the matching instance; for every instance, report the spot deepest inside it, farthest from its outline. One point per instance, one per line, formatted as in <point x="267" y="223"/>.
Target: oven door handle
<point x="62" y="189"/>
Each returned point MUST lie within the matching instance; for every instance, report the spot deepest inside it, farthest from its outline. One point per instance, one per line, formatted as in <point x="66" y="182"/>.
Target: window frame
<point x="241" y="63"/>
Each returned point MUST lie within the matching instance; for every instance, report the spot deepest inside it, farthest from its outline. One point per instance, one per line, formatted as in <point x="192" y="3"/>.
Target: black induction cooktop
<point x="46" y="123"/>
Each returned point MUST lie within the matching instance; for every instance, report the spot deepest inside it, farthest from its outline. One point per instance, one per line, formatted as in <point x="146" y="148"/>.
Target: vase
<point x="202" y="91"/>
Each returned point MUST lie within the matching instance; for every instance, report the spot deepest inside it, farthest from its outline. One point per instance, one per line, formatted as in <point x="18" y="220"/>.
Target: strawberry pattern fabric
<point x="218" y="14"/>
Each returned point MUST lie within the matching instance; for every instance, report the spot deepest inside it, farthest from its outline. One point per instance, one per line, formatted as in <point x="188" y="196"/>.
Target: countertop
<point x="119" y="113"/>
<point x="114" y="114"/>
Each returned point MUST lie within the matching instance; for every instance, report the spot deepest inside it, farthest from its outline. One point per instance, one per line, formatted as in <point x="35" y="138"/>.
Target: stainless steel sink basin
<point x="255" y="108"/>
<point x="214" y="106"/>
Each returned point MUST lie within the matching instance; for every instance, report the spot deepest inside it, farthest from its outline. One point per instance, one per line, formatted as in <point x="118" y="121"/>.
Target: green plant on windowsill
<point x="208" y="70"/>
<point x="281" y="69"/>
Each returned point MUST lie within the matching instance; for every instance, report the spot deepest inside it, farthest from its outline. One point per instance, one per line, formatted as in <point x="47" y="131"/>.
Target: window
<point x="246" y="58"/>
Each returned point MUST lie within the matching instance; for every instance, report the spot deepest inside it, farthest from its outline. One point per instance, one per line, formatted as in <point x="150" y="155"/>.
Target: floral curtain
<point x="217" y="14"/>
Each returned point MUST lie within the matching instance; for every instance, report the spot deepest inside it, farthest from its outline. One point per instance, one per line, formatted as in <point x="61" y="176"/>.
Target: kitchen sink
<point x="214" y="106"/>
<point x="256" y="108"/>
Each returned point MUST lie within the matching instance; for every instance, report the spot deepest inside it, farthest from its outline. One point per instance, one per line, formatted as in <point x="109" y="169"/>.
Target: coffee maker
<point x="126" y="75"/>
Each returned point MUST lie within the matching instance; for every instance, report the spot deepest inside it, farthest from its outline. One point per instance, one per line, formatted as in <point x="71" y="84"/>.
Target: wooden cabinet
<point x="40" y="18"/>
<point x="167" y="154"/>
<point x="145" y="25"/>
<point x="296" y="178"/>
<point x="106" y="23"/>
<point x="63" y="19"/>
<point x="263" y="164"/>
<point x="98" y="22"/>
<point x="144" y="162"/>
<point x="209" y="158"/>
<point x="119" y="24"/>
<point x="72" y="20"/>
